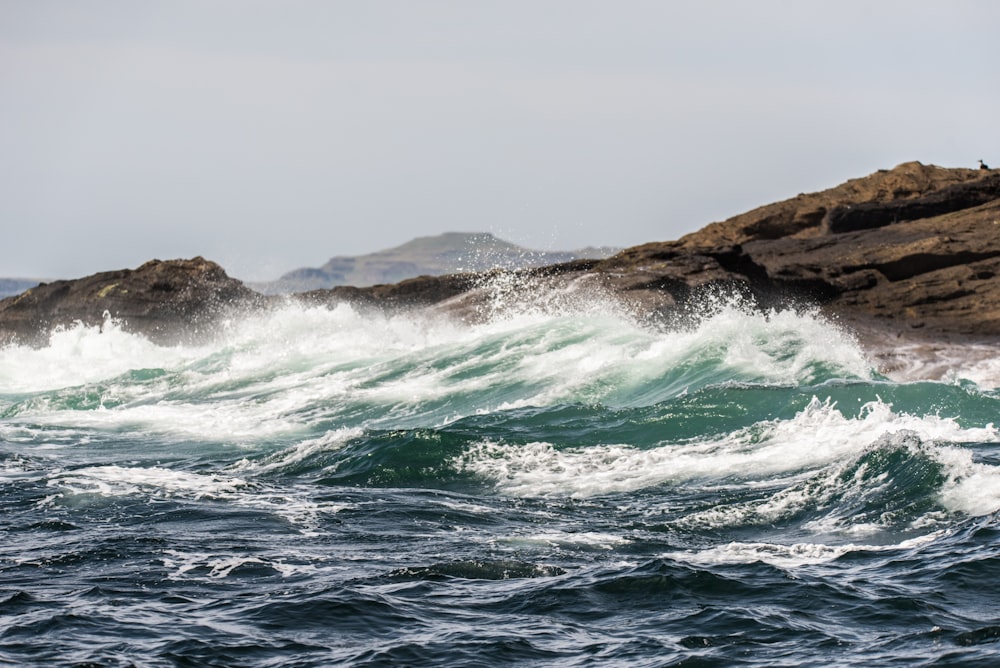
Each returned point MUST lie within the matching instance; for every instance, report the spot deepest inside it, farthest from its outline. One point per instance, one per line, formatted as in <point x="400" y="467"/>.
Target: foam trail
<point x="110" y="481"/>
<point x="792" y="556"/>
<point x="759" y="453"/>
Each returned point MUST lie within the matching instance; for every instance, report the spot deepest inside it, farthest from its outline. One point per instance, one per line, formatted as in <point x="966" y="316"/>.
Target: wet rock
<point x="172" y="301"/>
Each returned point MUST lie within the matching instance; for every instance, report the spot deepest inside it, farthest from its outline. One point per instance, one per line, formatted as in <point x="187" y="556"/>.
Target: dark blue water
<point x="569" y="489"/>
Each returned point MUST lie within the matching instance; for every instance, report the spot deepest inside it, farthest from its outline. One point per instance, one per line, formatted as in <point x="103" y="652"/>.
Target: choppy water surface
<point x="550" y="487"/>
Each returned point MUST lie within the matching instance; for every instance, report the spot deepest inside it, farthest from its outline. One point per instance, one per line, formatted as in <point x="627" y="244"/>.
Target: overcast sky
<point x="271" y="135"/>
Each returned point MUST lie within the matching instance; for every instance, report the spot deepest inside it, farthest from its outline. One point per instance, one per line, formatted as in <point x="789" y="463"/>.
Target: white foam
<point x="159" y="482"/>
<point x="780" y="347"/>
<point x="568" y="540"/>
<point x="235" y="422"/>
<point x="219" y="566"/>
<point x="331" y="441"/>
<point x="78" y="355"/>
<point x="559" y="347"/>
<point x="971" y="488"/>
<point x="126" y="480"/>
<point x="788" y="556"/>
<point x="268" y="367"/>
<point x="816" y="437"/>
<point x="20" y="469"/>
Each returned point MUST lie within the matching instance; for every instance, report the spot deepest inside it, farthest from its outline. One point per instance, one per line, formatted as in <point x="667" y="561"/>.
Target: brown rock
<point x="866" y="215"/>
<point x="804" y="214"/>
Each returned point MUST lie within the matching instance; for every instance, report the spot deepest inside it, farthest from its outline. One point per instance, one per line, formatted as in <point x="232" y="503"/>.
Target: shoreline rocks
<point x="169" y="302"/>
<point x="911" y="251"/>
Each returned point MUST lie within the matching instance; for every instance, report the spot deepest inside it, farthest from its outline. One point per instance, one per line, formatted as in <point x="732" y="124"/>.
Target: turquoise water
<point x="556" y="485"/>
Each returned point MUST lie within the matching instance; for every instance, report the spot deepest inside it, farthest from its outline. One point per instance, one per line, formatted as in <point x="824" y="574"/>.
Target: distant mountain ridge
<point x="448" y="253"/>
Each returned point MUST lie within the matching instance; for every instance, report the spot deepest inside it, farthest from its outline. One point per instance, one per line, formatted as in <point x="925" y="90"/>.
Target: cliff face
<point x="915" y="248"/>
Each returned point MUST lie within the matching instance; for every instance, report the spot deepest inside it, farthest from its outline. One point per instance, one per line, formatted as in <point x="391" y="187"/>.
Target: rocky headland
<point x="909" y="252"/>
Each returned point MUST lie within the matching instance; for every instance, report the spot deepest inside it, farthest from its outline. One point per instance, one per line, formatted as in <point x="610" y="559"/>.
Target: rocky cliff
<point x="912" y="249"/>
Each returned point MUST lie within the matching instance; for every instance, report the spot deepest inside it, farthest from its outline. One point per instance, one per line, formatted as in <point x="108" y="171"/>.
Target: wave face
<point x="555" y="485"/>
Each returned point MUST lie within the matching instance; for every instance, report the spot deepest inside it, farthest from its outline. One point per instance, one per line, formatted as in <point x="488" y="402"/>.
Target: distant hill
<point x="447" y="253"/>
<point x="15" y="286"/>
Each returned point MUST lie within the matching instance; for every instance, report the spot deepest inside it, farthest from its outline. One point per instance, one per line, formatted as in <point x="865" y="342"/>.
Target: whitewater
<point x="554" y="484"/>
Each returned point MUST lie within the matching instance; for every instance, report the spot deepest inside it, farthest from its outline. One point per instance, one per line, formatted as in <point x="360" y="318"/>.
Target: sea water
<point x="562" y="484"/>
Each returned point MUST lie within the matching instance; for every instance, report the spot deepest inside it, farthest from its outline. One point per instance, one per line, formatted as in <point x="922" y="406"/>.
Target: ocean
<point x="556" y="484"/>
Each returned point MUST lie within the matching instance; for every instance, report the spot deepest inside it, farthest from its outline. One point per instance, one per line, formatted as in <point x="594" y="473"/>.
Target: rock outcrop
<point x="803" y="215"/>
<point x="912" y="249"/>
<point x="916" y="247"/>
<point x="169" y="302"/>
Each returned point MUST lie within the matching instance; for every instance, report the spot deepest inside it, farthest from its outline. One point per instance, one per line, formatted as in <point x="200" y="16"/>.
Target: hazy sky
<point x="274" y="135"/>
